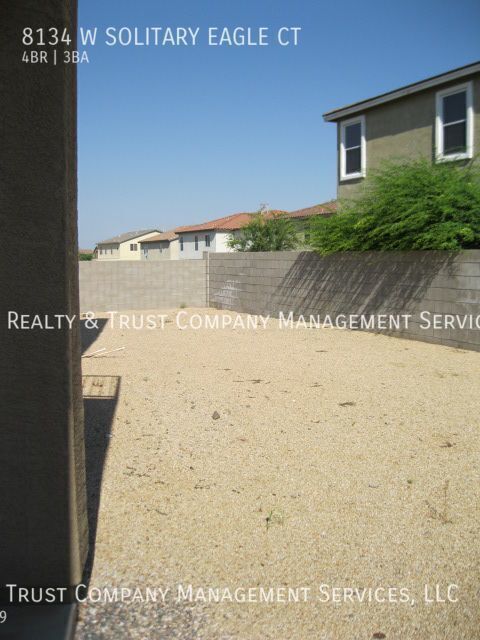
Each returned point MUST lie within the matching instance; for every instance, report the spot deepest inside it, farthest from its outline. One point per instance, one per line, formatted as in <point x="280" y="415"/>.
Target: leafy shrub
<point x="407" y="206"/>
<point x="85" y="256"/>
<point x="265" y="233"/>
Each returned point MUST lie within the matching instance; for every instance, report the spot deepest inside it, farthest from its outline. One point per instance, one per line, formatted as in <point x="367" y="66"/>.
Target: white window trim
<point x="363" y="150"/>
<point x="468" y="154"/>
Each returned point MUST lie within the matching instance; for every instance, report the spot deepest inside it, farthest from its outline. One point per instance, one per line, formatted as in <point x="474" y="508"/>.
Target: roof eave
<point x="118" y="241"/>
<point x="423" y="85"/>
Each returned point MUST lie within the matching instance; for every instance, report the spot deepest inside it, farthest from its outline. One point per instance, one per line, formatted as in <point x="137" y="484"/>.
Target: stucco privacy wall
<point x="162" y="284"/>
<point x="353" y="283"/>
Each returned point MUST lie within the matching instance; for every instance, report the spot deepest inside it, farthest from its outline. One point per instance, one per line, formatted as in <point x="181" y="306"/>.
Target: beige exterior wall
<point x="174" y="250"/>
<point x="163" y="250"/>
<point x="155" y="250"/>
<point x="126" y="254"/>
<point x="404" y="128"/>
<point x="108" y="252"/>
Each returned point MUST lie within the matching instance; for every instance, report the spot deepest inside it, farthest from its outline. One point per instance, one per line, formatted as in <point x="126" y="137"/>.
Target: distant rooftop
<point x="166" y="235"/>
<point x="232" y="222"/>
<point x="227" y="223"/>
<point x="238" y="220"/>
<point x="415" y="87"/>
<point x="128" y="235"/>
<point x="324" y="209"/>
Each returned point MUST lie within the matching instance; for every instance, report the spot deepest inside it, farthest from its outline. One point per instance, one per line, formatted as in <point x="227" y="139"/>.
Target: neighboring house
<point x="161" y="246"/>
<point x="190" y="242"/>
<point x="212" y="236"/>
<point x="209" y="236"/>
<point x="302" y="217"/>
<point x="437" y="118"/>
<point x="125" y="246"/>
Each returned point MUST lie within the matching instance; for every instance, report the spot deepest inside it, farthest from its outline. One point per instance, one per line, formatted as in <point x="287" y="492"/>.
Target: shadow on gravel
<point x="89" y="335"/>
<point x="100" y="397"/>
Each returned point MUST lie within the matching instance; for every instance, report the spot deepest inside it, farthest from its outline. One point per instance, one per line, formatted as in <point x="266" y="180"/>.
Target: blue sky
<point x="176" y="135"/>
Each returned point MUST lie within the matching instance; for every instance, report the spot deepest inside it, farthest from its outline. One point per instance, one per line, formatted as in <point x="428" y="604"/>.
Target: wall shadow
<point x="100" y="395"/>
<point x="360" y="283"/>
<point x="89" y="335"/>
<point x="387" y="291"/>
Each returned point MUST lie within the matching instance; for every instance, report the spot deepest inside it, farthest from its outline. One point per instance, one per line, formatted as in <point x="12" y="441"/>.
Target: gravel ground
<point x="276" y="458"/>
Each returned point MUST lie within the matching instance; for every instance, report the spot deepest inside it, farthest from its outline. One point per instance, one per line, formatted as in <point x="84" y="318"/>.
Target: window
<point x="454" y="123"/>
<point x="133" y="247"/>
<point x="352" y="149"/>
<point x="181" y="243"/>
<point x="196" y="243"/>
<point x="207" y="240"/>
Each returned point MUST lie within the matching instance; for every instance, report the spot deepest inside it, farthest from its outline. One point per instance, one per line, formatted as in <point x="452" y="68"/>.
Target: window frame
<point x="134" y="246"/>
<point x="181" y="243"/>
<point x="343" y="151"/>
<point x="207" y="240"/>
<point x="440" y="156"/>
<point x="196" y="243"/>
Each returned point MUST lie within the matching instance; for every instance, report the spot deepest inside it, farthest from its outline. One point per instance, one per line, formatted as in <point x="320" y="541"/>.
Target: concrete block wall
<point x="121" y="285"/>
<point x="354" y="283"/>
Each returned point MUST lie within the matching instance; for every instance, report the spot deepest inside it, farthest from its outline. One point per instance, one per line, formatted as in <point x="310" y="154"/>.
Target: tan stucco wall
<point x="112" y="252"/>
<point x="156" y="250"/>
<point x="169" y="250"/>
<point x="174" y="250"/>
<point x="126" y="254"/>
<point x="404" y="128"/>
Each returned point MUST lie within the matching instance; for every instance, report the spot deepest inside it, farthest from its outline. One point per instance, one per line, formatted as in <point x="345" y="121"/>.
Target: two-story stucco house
<point x="125" y="246"/>
<point x="437" y="118"/>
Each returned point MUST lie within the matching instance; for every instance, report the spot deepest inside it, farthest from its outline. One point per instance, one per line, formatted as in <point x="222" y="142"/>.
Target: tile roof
<point x="128" y="235"/>
<point x="166" y="235"/>
<point x="324" y="209"/>
<point x="238" y="220"/>
<point x="227" y="223"/>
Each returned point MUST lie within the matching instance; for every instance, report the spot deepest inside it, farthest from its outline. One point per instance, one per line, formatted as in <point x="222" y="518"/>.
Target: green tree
<point x="407" y="206"/>
<point x="265" y="233"/>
